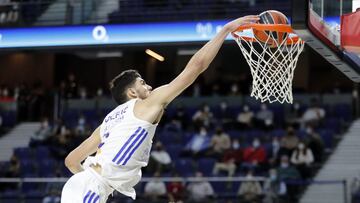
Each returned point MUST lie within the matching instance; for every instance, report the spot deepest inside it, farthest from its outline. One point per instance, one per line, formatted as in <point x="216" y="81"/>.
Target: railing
<point x="225" y="193"/>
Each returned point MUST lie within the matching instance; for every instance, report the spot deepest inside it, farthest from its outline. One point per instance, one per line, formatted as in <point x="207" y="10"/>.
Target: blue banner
<point x="109" y="34"/>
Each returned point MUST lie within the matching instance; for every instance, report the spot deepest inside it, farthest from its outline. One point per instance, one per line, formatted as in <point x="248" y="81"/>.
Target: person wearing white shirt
<point x="302" y="158"/>
<point x="200" y="190"/>
<point x="155" y="189"/>
<point x="160" y="159"/>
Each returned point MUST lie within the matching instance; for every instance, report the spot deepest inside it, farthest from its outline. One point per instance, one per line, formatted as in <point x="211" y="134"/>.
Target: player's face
<point x="143" y="90"/>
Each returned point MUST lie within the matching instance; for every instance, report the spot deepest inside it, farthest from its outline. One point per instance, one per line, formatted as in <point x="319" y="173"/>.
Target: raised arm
<point x="197" y="64"/>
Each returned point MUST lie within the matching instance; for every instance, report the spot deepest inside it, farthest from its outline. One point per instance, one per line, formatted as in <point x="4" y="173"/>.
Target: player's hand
<point x="233" y="25"/>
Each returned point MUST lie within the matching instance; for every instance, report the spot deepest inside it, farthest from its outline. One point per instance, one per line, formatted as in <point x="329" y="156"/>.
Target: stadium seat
<point x="206" y="165"/>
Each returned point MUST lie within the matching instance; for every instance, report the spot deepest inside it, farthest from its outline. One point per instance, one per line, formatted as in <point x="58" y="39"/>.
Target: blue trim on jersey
<point x="86" y="196"/>
<point x="101" y="144"/>
<point x="132" y="144"/>
<point x="91" y="197"/>
<point x="126" y="143"/>
<point x="137" y="146"/>
<point x="96" y="199"/>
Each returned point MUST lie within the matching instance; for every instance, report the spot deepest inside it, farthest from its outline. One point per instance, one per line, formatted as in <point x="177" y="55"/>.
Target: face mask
<point x="223" y="105"/>
<point x="206" y="109"/>
<point x="246" y="108"/>
<point x="203" y="133"/>
<point x="309" y="131"/>
<point x="235" y="145"/>
<point x="284" y="165"/>
<point x="234" y="88"/>
<point x="263" y="107"/>
<point x="256" y="144"/>
<point x="81" y="121"/>
<point x="5" y="93"/>
<point x="301" y="146"/>
<point x="296" y="106"/>
<point x="99" y="92"/>
<point x="249" y="177"/>
<point x="273" y="177"/>
<point x="275" y="143"/>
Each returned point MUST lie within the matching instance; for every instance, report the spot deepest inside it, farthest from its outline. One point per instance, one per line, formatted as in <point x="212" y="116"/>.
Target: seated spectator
<point x="155" y="189"/>
<point x="220" y="142"/>
<point x="81" y="125"/>
<point x="250" y="190"/>
<point x="224" y="116"/>
<point x="245" y="118"/>
<point x="41" y="134"/>
<point x="288" y="172"/>
<point x="13" y="171"/>
<point x="313" y="115"/>
<point x="274" y="189"/>
<point x="52" y="197"/>
<point x="288" y="143"/>
<point x="176" y="190"/>
<point x="273" y="152"/>
<point x="293" y="114"/>
<point x="203" y="117"/>
<point x="254" y="155"/>
<point x="60" y="146"/>
<point x="181" y="117"/>
<point x="5" y="95"/>
<point x="198" y="144"/>
<point x="200" y="190"/>
<point x="230" y="159"/>
<point x="315" y="144"/>
<point x="264" y="118"/>
<point x="173" y="126"/>
<point x="160" y="159"/>
<point x="302" y="158"/>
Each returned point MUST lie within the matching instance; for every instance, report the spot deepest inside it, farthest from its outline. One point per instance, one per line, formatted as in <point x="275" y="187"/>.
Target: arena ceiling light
<point x="155" y="55"/>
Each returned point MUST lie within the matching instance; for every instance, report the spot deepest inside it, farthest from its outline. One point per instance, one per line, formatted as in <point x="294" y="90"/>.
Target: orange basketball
<point x="271" y="17"/>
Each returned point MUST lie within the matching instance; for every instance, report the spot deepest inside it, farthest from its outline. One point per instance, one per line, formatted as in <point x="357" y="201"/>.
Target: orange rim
<point x="267" y="27"/>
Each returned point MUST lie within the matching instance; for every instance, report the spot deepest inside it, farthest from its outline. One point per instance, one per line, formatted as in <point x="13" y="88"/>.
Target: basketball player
<point x="123" y="141"/>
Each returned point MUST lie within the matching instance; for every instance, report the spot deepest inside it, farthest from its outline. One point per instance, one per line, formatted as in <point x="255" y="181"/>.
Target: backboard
<point x="332" y="28"/>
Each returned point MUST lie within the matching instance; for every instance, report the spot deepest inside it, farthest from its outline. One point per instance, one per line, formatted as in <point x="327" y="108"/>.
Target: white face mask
<point x="235" y="145"/>
<point x="99" y="92"/>
<point x="203" y="132"/>
<point x="81" y="121"/>
<point x="275" y="143"/>
<point x="301" y="146"/>
<point x="256" y="144"/>
<point x="206" y="109"/>
<point x="223" y="105"/>
<point x="273" y="177"/>
<point x="263" y="107"/>
<point x="296" y="106"/>
<point x="246" y="108"/>
<point x="284" y="165"/>
<point x="309" y="130"/>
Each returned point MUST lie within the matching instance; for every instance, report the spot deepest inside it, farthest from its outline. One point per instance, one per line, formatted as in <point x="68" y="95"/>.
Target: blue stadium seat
<point x="47" y="167"/>
<point x="174" y="150"/>
<point x="184" y="167"/>
<point x="206" y="165"/>
<point x="23" y="153"/>
<point x="41" y="153"/>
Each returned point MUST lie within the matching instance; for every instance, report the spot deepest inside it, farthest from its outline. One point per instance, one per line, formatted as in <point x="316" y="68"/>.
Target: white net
<point x="272" y="67"/>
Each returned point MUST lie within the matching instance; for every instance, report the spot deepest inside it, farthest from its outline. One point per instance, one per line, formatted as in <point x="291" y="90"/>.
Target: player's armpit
<point x="85" y="149"/>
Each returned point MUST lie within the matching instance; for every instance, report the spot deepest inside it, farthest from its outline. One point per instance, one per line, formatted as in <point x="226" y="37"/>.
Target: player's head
<point x="129" y="85"/>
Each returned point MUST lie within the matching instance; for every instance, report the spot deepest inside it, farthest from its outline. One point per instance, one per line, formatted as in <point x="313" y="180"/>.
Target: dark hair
<point x="121" y="83"/>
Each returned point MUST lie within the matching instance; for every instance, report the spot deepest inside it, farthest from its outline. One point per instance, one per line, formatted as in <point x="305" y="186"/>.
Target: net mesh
<point x="272" y="66"/>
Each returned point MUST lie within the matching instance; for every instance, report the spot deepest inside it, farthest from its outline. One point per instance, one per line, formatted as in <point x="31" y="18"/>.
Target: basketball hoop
<point x="272" y="61"/>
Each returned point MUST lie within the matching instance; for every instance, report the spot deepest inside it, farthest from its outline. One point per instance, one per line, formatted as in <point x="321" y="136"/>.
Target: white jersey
<point x="125" y="147"/>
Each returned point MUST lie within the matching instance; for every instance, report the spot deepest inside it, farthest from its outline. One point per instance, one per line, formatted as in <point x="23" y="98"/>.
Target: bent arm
<point x="85" y="149"/>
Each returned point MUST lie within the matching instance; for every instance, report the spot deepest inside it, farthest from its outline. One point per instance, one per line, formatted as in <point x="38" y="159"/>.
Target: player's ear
<point x="131" y="92"/>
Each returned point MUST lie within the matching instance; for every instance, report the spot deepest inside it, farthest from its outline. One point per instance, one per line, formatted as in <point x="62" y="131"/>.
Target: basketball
<point x="271" y="17"/>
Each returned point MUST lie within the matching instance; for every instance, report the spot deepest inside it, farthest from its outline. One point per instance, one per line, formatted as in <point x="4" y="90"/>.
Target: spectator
<point x="203" y="117"/>
<point x="14" y="168"/>
<point x="173" y="126"/>
<point x="200" y="190"/>
<point x="293" y="114"/>
<point x="254" y="155"/>
<point x="155" y="189"/>
<point x="181" y="117"/>
<point x="230" y="160"/>
<point x="313" y="115"/>
<point x="224" y="115"/>
<point x="315" y="144"/>
<point x="176" y="190"/>
<point x="83" y="92"/>
<point x="52" y="197"/>
<point x="60" y="146"/>
<point x="5" y="95"/>
<point x="198" y="144"/>
<point x="245" y="118"/>
<point x="288" y="143"/>
<point x="302" y="158"/>
<point x="287" y="172"/>
<point x="1" y="122"/>
<point x="159" y="159"/>
<point x="81" y="125"/>
<point x="264" y="117"/>
<point x="71" y="87"/>
<point x="41" y="134"/>
<point x="220" y="142"/>
<point x="250" y="190"/>
<point x="274" y="189"/>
